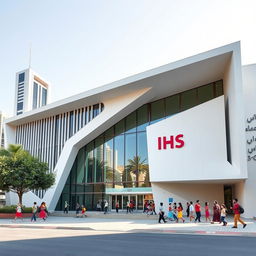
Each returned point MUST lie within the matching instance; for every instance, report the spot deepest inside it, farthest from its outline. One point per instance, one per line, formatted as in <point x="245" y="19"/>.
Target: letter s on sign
<point x="180" y="141"/>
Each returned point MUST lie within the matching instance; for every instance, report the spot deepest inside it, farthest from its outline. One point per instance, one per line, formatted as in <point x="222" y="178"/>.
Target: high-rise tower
<point x="2" y="117"/>
<point x="31" y="91"/>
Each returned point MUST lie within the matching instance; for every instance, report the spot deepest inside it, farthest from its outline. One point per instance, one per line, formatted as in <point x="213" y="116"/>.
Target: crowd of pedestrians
<point x="37" y="212"/>
<point x="175" y="211"/>
<point x="194" y="213"/>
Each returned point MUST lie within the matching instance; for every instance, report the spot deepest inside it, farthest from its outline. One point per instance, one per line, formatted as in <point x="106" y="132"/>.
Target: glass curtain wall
<point x="118" y="158"/>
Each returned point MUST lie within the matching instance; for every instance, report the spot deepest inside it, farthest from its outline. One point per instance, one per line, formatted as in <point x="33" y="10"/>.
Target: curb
<point x="44" y="227"/>
<point x="162" y="231"/>
<point x="196" y="232"/>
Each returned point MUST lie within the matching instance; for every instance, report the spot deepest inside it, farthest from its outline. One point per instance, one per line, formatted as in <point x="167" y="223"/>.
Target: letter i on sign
<point x="159" y="143"/>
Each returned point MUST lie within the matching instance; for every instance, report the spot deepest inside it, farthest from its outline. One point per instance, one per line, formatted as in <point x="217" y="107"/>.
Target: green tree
<point x="137" y="166"/>
<point x="20" y="172"/>
<point x="11" y="150"/>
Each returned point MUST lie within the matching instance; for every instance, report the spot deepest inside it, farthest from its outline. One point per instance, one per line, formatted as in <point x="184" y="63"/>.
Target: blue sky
<point x="80" y="44"/>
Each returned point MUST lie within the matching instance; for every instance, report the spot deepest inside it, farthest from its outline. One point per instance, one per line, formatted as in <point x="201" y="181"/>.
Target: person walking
<point x="191" y="211"/>
<point x="83" y="211"/>
<point x="34" y="212"/>
<point x="223" y="214"/>
<point x="180" y="213"/>
<point x="161" y="213"/>
<point x="117" y="206"/>
<point x="187" y="210"/>
<point x="43" y="211"/>
<point x="237" y="209"/>
<point x="174" y="211"/>
<point x="18" y="213"/>
<point x="132" y="206"/>
<point x="128" y="207"/>
<point x="153" y="207"/>
<point x="98" y="206"/>
<point x="207" y="212"/>
<point x="216" y="212"/>
<point x="106" y="207"/>
<point x="198" y="211"/>
<point x="66" y="205"/>
<point x="170" y="213"/>
<point x="78" y="207"/>
<point x="145" y="208"/>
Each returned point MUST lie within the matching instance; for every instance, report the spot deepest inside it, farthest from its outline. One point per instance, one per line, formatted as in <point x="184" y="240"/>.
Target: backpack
<point x="241" y="209"/>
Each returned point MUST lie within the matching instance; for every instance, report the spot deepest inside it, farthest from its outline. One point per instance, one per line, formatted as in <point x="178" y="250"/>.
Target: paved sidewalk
<point x="149" y="225"/>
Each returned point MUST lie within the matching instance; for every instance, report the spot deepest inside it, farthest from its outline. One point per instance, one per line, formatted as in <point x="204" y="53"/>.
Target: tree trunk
<point x="20" y="194"/>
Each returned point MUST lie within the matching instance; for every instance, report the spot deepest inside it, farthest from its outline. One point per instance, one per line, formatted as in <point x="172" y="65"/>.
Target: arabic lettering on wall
<point x="251" y="142"/>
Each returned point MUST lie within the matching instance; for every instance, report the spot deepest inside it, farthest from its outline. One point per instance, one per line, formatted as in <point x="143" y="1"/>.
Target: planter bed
<point x="12" y="215"/>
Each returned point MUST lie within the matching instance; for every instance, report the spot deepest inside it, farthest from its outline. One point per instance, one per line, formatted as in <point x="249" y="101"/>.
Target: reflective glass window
<point x="89" y="162"/>
<point x="71" y="123"/>
<point x="73" y="174"/>
<point x="157" y="111"/>
<point x="172" y="105"/>
<point x="88" y="199"/>
<point x="35" y="94"/>
<point x="80" y="166"/>
<point x="99" y="161"/>
<point x="119" y="158"/>
<point x="142" y="154"/>
<point x="205" y="93"/>
<point x="142" y="118"/>
<point x="130" y="123"/>
<point x="108" y="160"/>
<point x="130" y="158"/>
<point x="44" y="96"/>
<point x="95" y="110"/>
<point x="119" y="127"/>
<point x="20" y="106"/>
<point x="21" y="77"/>
<point x="188" y="99"/>
<point x="219" y="88"/>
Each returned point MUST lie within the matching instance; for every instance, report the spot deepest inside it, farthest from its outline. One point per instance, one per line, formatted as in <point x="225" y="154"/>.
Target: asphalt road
<point x="125" y="244"/>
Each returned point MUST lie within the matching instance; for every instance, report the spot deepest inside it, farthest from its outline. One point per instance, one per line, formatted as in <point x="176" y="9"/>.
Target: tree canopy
<point x="20" y="172"/>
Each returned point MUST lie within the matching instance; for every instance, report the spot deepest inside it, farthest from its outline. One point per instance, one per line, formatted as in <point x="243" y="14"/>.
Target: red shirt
<point x="236" y="208"/>
<point x="197" y="207"/>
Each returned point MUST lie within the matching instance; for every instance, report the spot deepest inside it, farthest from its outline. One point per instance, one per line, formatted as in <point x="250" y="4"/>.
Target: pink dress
<point x="207" y="213"/>
<point x="18" y="212"/>
<point x="42" y="213"/>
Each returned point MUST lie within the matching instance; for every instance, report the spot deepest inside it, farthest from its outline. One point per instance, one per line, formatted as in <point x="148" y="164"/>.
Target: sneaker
<point x="234" y="227"/>
<point x="244" y="225"/>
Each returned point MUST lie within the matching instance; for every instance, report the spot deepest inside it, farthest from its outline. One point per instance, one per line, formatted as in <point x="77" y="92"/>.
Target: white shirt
<point x="191" y="208"/>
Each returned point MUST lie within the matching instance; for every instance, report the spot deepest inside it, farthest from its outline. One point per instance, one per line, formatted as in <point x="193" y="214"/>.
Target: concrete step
<point x="109" y="215"/>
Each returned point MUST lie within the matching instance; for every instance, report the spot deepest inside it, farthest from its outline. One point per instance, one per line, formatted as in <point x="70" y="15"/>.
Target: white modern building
<point x="2" y="118"/>
<point x="31" y="91"/>
<point x="180" y="132"/>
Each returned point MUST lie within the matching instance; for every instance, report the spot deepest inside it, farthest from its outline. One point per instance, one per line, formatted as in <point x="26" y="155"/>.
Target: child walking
<point x="223" y="214"/>
<point x="18" y="213"/>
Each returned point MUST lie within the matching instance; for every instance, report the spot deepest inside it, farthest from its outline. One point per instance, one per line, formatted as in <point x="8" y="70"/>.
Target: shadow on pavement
<point x="132" y="244"/>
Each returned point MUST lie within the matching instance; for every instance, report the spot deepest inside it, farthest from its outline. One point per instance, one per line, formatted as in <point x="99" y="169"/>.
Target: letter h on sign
<point x="173" y="142"/>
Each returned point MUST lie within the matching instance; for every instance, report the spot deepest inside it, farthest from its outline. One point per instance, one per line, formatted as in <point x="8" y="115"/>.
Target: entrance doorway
<point x="228" y="196"/>
<point x="138" y="200"/>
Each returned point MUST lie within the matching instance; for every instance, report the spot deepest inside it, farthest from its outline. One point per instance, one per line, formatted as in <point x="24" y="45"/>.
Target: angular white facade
<point x="212" y="160"/>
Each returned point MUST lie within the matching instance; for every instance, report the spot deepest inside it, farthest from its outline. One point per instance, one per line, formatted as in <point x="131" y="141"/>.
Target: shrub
<point x="12" y="209"/>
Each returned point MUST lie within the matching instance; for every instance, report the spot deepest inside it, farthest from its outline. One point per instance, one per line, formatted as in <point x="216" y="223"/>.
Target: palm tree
<point x="11" y="150"/>
<point x="138" y="167"/>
